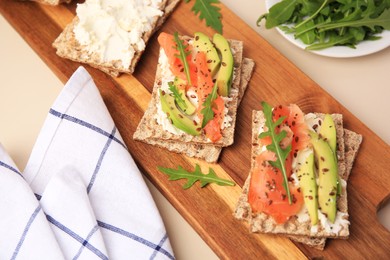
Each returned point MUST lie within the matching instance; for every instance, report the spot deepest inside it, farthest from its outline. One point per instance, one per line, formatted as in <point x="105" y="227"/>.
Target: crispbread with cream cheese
<point x="261" y="222"/>
<point x="149" y="128"/>
<point x="68" y="47"/>
<point x="209" y="153"/>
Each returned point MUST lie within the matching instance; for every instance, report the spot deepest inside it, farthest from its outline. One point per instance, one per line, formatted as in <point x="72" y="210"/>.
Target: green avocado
<point x="185" y="105"/>
<point x="203" y="43"/>
<point x="328" y="133"/>
<point x="225" y="74"/>
<point x="177" y="117"/>
<point x="308" y="184"/>
<point x="327" y="176"/>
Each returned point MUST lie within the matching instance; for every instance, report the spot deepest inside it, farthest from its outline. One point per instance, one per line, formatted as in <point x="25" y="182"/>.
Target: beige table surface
<point x="28" y="89"/>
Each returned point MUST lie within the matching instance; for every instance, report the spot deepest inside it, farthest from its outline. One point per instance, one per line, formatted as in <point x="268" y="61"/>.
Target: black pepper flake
<point x="269" y="202"/>
<point x="196" y="38"/>
<point x="310" y="197"/>
<point x="315" y="126"/>
<point x="223" y="64"/>
<point x="325" y="170"/>
<point x="293" y="199"/>
<point x="332" y="193"/>
<point x="322" y="158"/>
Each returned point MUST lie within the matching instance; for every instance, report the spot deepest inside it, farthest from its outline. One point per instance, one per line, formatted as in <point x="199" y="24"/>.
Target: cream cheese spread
<point x="113" y="29"/>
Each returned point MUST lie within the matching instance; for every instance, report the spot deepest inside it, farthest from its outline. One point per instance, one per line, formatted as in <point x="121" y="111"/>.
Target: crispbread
<point x="148" y="127"/>
<point x="68" y="47"/>
<point x="263" y="223"/>
<point x="352" y="143"/>
<point x="209" y="153"/>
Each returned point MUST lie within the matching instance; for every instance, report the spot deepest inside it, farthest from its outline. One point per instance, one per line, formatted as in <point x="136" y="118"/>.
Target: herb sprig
<point x="281" y="154"/>
<point x="178" y="96"/>
<point x="325" y="23"/>
<point x="207" y="110"/>
<point x="195" y="176"/>
<point x="183" y="53"/>
<point x="208" y="10"/>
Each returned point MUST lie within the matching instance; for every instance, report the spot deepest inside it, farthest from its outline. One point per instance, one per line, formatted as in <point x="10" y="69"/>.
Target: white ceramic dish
<point x="363" y="48"/>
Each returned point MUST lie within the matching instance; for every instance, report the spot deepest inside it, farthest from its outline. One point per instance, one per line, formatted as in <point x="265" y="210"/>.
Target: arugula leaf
<point x="207" y="110"/>
<point x="178" y="98"/>
<point x="183" y="53"/>
<point x="383" y="20"/>
<point x="281" y="154"/>
<point x="208" y="11"/>
<point x="309" y="36"/>
<point x="279" y="13"/>
<point x="313" y="15"/>
<point x="195" y="176"/>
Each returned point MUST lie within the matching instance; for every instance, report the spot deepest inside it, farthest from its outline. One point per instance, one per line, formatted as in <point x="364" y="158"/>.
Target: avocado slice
<point x="184" y="104"/>
<point x="327" y="176"/>
<point x="203" y="43"/>
<point x="225" y="74"/>
<point x="328" y="132"/>
<point x="177" y="117"/>
<point x="308" y="184"/>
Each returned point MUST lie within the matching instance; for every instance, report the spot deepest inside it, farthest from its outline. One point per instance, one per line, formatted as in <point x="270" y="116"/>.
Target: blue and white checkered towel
<point x="90" y="199"/>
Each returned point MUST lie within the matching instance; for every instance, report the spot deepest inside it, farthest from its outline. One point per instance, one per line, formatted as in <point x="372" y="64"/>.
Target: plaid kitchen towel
<point x="24" y="230"/>
<point x="87" y="184"/>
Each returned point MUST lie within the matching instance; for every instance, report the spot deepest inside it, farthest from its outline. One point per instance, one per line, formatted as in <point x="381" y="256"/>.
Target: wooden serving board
<point x="209" y="210"/>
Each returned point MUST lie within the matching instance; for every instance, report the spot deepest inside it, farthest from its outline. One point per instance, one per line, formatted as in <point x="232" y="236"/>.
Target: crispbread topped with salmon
<point x="217" y="131"/>
<point x="318" y="208"/>
<point x="195" y="95"/>
<point x="207" y="152"/>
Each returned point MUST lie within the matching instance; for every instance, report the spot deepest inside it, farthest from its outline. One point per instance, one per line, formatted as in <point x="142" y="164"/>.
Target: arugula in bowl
<point x="322" y="24"/>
